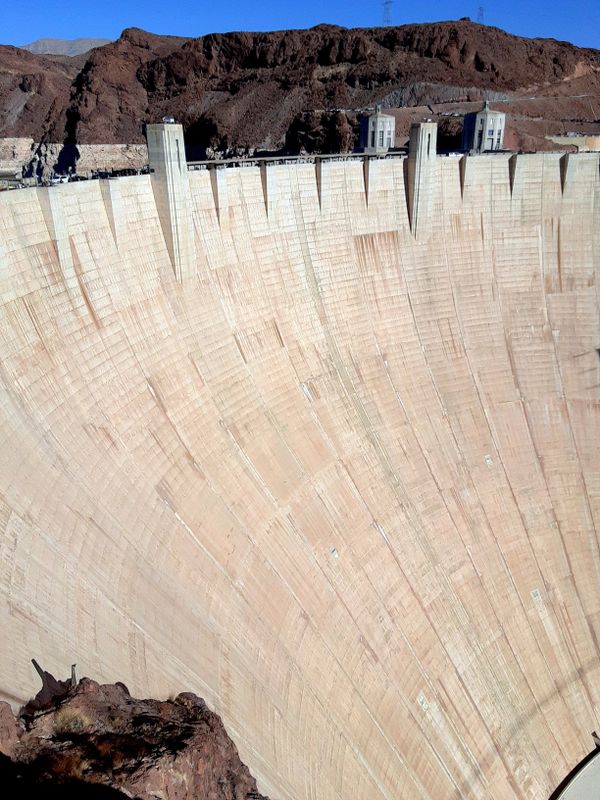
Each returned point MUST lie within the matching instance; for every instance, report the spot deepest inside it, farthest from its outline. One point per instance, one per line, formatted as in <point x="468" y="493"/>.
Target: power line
<point x="387" y="12"/>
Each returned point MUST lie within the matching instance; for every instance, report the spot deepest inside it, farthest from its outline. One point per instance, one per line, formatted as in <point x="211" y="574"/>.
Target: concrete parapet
<point x="367" y="177"/>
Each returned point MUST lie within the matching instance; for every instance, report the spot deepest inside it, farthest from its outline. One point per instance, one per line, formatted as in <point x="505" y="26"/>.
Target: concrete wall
<point x="581" y="143"/>
<point x="340" y="480"/>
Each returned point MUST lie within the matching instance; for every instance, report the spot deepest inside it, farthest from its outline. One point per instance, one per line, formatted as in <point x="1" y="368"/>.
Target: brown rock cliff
<point x="300" y="88"/>
<point x="98" y="741"/>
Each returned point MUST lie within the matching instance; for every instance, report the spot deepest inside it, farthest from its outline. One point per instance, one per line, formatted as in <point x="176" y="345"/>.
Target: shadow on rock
<point x="17" y="782"/>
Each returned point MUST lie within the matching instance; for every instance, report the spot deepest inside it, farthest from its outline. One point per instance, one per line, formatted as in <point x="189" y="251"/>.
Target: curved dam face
<point x="333" y="466"/>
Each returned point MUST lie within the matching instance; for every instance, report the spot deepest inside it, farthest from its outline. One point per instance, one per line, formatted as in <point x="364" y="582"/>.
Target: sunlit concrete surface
<point x="337" y="474"/>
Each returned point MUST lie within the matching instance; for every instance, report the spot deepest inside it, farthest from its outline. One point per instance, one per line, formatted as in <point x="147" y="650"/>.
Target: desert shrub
<point x="70" y="720"/>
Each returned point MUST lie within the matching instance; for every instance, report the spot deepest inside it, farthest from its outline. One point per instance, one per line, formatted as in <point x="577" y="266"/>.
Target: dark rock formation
<point x="51" y="692"/>
<point x="242" y="91"/>
<point x="34" y="93"/>
<point x="99" y="742"/>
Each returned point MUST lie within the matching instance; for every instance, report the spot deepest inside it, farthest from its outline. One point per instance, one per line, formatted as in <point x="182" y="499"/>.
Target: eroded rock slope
<point x="99" y="742"/>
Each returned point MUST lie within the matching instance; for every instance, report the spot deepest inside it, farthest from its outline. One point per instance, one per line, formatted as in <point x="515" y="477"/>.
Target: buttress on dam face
<point x="320" y="443"/>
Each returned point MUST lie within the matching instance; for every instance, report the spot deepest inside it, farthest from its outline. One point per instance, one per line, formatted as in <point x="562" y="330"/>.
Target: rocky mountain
<point x="35" y="92"/>
<point x="90" y="742"/>
<point x="293" y="89"/>
<point x="64" y="47"/>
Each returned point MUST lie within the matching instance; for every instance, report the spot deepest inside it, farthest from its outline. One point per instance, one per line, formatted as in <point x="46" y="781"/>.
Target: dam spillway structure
<point x="318" y="441"/>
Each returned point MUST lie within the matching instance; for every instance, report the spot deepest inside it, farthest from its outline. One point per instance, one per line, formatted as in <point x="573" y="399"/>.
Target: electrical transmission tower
<point x="481" y="15"/>
<point x="387" y="12"/>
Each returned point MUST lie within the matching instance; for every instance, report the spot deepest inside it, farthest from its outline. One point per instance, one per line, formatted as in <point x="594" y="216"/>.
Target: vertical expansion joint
<point x="462" y="171"/>
<point x="218" y="185"/>
<point x="564" y="171"/>
<point x="319" y="180"/>
<point x="366" y="177"/>
<point x="264" y="180"/>
<point x="214" y="186"/>
<point x="512" y="172"/>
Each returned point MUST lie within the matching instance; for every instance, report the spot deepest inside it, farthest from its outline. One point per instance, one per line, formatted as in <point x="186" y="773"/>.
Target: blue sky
<point x="577" y="21"/>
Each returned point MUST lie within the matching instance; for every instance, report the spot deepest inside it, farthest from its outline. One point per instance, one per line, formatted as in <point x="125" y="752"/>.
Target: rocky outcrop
<point x="34" y="93"/>
<point x="98" y="741"/>
<point x="303" y="88"/>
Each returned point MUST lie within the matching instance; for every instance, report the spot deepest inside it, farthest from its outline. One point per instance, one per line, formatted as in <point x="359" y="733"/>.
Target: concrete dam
<point x="319" y="442"/>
